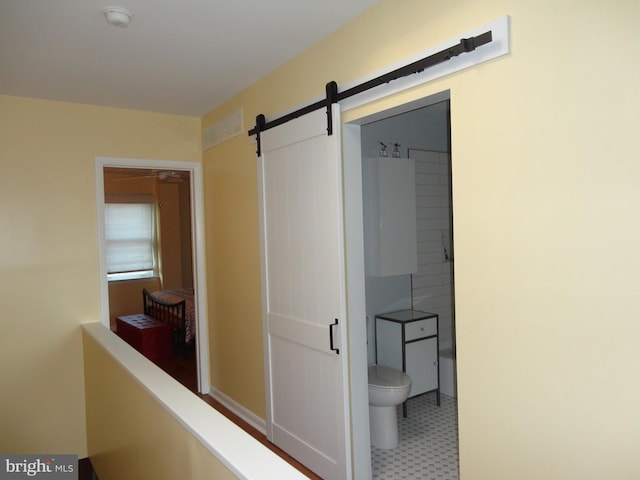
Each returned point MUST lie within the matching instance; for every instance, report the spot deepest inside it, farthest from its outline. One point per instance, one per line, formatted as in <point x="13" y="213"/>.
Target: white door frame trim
<point x="197" y="231"/>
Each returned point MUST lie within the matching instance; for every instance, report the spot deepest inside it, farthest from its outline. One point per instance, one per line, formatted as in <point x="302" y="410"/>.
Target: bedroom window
<point x="130" y="237"/>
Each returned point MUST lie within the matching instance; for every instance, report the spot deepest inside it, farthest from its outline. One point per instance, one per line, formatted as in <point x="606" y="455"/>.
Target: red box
<point x="149" y="336"/>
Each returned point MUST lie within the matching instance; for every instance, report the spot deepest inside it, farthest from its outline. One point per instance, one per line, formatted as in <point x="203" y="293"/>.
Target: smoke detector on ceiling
<point x="117" y="16"/>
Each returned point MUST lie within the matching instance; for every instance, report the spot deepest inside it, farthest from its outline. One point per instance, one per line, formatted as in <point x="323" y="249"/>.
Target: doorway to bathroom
<point x="420" y="131"/>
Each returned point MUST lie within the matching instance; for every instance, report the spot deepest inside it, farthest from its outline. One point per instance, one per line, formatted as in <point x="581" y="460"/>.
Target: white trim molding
<point x="498" y="47"/>
<point x="245" y="414"/>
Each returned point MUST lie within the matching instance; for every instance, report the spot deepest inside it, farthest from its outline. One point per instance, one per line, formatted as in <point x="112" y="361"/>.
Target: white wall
<point x="424" y="128"/>
<point x="432" y="285"/>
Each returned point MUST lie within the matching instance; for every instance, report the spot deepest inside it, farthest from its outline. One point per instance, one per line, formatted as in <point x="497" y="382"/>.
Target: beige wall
<point x="49" y="254"/>
<point x="172" y="250"/>
<point x="545" y="180"/>
<point x="130" y="434"/>
<point x="545" y="198"/>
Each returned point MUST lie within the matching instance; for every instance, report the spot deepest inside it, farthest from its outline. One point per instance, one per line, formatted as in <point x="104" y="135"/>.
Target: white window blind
<point x="130" y="238"/>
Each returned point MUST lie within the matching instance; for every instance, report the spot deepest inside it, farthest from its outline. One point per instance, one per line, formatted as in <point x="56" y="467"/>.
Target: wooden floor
<point x="183" y="369"/>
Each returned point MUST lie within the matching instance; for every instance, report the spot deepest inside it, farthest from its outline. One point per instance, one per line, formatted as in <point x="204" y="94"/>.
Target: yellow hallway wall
<point x="132" y="435"/>
<point x="545" y="181"/>
<point x="49" y="254"/>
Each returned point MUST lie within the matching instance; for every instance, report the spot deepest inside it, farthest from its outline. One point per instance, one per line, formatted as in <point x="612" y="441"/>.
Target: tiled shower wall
<point x="432" y="286"/>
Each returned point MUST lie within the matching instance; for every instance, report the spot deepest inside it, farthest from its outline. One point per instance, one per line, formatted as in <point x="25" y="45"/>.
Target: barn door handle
<point x="331" y="337"/>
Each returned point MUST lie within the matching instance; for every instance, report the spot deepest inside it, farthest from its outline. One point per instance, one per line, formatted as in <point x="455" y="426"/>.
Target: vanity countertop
<point x="406" y="315"/>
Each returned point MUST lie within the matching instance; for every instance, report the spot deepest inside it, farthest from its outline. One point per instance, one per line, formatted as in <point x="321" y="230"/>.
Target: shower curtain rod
<point x="333" y="96"/>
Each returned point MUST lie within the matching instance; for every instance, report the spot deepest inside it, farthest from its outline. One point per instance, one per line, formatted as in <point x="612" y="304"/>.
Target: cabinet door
<point x="422" y="365"/>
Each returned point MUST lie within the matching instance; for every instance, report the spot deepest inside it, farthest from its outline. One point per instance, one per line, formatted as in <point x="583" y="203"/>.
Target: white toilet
<point x="388" y="388"/>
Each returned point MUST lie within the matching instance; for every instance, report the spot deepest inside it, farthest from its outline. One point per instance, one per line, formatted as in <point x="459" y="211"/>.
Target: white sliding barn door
<point x="300" y="177"/>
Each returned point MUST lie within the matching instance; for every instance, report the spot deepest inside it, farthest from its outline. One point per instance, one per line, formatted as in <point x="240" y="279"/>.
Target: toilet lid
<point x="380" y="376"/>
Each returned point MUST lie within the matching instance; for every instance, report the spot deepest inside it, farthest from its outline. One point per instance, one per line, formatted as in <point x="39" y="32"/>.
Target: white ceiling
<point x="176" y="56"/>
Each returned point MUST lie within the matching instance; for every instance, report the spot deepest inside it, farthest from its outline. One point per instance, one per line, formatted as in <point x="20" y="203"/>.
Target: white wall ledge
<point x="244" y="456"/>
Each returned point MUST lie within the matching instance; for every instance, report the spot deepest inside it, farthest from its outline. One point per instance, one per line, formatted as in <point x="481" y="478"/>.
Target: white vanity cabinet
<point x="408" y="340"/>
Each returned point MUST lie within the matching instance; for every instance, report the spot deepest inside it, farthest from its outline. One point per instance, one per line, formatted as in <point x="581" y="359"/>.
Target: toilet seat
<point x="381" y="377"/>
<point x="388" y="388"/>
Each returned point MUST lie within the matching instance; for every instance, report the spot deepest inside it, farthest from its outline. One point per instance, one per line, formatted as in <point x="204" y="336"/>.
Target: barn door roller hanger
<point x="333" y="96"/>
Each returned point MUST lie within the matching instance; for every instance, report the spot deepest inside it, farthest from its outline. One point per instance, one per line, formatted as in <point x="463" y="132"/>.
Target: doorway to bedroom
<point x="149" y="246"/>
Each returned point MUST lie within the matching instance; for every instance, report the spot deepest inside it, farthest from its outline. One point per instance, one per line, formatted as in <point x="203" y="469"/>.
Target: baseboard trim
<point x="245" y="414"/>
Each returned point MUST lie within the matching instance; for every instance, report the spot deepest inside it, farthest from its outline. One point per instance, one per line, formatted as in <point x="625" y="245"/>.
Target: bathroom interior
<point x="406" y="163"/>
